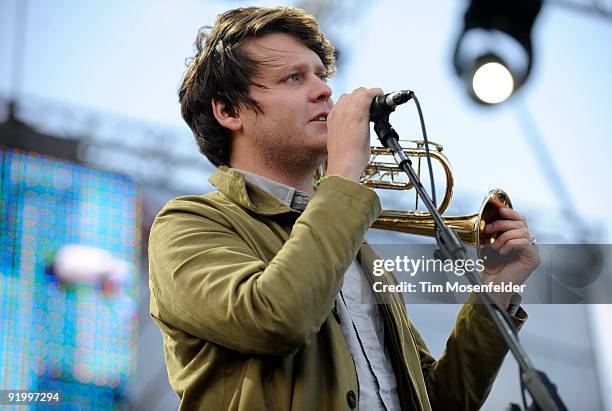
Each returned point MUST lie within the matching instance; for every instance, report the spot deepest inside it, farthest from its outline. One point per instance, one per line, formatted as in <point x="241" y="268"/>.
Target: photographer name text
<point x="448" y="287"/>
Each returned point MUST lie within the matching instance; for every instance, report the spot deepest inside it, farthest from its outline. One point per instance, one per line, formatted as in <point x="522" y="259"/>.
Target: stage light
<point x="494" y="55"/>
<point x="492" y="82"/>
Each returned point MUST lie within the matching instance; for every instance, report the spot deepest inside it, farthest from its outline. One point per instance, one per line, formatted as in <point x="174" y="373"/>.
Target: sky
<point x="126" y="59"/>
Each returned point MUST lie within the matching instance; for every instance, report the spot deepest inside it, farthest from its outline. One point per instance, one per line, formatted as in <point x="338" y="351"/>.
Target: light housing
<point x="498" y="34"/>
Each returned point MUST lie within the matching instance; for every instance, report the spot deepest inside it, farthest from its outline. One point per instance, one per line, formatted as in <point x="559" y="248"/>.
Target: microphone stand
<point x="542" y="391"/>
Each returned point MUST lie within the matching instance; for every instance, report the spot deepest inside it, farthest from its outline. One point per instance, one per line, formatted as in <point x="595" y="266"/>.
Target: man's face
<point x="289" y="131"/>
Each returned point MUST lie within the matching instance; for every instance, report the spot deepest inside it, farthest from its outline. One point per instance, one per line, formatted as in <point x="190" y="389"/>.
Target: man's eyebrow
<point x="304" y="67"/>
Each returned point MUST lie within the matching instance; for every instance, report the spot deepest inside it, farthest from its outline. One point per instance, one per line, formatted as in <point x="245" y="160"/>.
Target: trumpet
<point x="382" y="172"/>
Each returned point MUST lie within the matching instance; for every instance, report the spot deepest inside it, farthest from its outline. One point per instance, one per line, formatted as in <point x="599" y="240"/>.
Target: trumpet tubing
<point x="470" y="228"/>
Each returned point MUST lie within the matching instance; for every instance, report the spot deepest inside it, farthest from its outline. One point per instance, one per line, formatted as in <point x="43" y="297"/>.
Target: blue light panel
<point x="75" y="338"/>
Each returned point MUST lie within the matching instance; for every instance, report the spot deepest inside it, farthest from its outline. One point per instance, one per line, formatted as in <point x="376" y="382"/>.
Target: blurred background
<point x="92" y="145"/>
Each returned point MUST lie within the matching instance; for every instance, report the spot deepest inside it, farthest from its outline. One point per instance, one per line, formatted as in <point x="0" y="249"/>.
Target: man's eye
<point x="292" y="77"/>
<point x="323" y="77"/>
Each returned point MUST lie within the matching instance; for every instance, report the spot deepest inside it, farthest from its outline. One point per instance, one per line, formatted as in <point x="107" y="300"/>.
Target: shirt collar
<point x="258" y="193"/>
<point x="287" y="195"/>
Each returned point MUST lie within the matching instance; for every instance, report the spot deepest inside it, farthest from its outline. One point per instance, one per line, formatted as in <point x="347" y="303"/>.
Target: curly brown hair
<point x="222" y="71"/>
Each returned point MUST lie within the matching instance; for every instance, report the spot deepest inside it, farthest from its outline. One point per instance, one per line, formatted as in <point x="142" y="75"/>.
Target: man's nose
<point x="320" y="91"/>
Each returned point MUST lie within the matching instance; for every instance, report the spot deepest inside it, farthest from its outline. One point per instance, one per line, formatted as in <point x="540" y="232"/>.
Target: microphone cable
<point x="428" y="155"/>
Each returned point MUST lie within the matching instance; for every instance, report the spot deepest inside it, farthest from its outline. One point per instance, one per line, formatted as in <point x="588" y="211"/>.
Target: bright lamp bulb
<point x="492" y="83"/>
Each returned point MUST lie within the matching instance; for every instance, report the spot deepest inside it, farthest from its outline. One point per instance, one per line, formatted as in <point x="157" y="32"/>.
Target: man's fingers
<point x="357" y="102"/>
<point x="511" y="214"/>
<point x="366" y="95"/>
<point x="519" y="233"/>
<point x="503" y="225"/>
<point x="376" y="91"/>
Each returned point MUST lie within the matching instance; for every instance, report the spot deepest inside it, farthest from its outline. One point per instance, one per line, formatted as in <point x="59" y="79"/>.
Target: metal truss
<point x="154" y="155"/>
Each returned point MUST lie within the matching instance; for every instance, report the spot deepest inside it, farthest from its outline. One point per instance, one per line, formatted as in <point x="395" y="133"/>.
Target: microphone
<point x="386" y="103"/>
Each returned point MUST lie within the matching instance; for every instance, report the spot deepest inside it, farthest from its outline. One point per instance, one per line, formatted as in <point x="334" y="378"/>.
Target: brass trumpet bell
<point x="470" y="228"/>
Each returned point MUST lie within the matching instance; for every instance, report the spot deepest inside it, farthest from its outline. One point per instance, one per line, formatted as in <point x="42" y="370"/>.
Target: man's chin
<point x="319" y="149"/>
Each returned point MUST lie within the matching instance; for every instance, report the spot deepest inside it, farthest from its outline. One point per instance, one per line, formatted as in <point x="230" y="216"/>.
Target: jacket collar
<point x="232" y="183"/>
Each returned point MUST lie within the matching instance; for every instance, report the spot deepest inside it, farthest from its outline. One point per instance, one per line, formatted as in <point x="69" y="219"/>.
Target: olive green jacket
<point x="243" y="290"/>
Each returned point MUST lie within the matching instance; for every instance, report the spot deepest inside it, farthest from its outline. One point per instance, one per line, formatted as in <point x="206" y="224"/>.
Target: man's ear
<point x="228" y="121"/>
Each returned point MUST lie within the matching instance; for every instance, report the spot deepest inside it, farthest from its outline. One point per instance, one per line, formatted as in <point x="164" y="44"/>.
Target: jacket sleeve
<point x="207" y="281"/>
<point x="462" y="377"/>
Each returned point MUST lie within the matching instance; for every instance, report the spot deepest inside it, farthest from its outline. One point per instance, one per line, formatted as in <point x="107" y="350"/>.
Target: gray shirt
<point x="360" y="318"/>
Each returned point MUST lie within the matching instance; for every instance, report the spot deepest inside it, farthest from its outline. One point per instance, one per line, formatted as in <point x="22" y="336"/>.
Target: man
<point x="255" y="287"/>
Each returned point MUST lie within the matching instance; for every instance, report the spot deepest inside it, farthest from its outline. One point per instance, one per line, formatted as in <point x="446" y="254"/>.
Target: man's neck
<point x="300" y="181"/>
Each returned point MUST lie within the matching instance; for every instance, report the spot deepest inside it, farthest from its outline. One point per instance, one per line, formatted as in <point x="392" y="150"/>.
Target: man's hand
<point x="348" y="133"/>
<point x="513" y="241"/>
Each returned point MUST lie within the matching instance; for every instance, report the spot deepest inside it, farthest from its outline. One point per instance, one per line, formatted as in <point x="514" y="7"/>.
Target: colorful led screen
<point x="69" y="250"/>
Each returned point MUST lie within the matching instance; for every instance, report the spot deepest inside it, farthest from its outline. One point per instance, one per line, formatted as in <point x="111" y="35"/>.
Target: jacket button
<point x="351" y="400"/>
